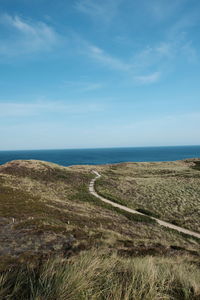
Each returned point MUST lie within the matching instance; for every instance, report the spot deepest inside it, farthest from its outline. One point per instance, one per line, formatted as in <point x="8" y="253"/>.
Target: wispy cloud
<point x="83" y="85"/>
<point x="155" y="55"/>
<point x="147" y="65"/>
<point x="162" y="9"/>
<point x="136" y="67"/>
<point x="26" y="36"/>
<point x="28" y="109"/>
<point x="103" y="10"/>
<point x="150" y="64"/>
<point x="148" y="79"/>
<point x="104" y="58"/>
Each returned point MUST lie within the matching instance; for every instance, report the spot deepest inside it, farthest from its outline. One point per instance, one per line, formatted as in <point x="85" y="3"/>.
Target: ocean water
<point x="104" y="155"/>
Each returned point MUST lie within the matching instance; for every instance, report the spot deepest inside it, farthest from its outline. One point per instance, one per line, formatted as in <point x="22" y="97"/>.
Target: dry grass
<point x="97" y="276"/>
<point x="169" y="190"/>
<point x="54" y="214"/>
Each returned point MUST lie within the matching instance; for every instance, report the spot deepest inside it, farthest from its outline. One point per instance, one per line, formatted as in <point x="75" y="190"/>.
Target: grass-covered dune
<point x="167" y="190"/>
<point x="59" y="242"/>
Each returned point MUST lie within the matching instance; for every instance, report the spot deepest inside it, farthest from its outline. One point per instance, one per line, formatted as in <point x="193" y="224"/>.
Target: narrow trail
<point x="130" y="210"/>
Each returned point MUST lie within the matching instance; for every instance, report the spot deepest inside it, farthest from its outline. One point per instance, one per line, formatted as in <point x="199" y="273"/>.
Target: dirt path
<point x="162" y="223"/>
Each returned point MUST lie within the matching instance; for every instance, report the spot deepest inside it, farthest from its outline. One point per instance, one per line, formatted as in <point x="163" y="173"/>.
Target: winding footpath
<point x="122" y="207"/>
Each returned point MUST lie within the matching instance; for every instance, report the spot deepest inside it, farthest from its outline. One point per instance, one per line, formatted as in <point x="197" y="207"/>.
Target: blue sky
<point x="99" y="73"/>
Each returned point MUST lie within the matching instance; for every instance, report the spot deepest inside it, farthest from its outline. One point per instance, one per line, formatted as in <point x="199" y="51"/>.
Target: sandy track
<point x="122" y="207"/>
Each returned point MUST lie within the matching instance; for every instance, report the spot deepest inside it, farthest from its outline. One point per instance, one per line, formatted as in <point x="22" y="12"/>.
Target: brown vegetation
<point x="46" y="212"/>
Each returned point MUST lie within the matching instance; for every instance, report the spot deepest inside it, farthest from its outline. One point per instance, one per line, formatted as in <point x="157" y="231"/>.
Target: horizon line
<point x="93" y="148"/>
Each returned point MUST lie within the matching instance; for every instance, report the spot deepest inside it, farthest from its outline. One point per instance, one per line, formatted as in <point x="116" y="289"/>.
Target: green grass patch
<point x="16" y="203"/>
<point x="109" y="197"/>
<point x="100" y="183"/>
<point x="148" y="212"/>
<point x="197" y="165"/>
<point x="167" y="190"/>
<point x="137" y="218"/>
<point x="182" y="234"/>
<point x="84" y="195"/>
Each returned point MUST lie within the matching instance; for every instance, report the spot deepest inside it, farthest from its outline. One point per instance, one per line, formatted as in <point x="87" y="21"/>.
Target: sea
<point x="68" y="157"/>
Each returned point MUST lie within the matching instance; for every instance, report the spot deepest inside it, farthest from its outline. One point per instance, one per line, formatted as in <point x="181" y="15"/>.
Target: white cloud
<point x="136" y="67"/>
<point x="164" y="49"/>
<point x="101" y="56"/>
<point x="25" y="36"/>
<point x="152" y="62"/>
<point x="148" y="79"/>
<point x="162" y="57"/>
<point x="103" y="10"/>
<point x="148" y="65"/>
<point x="155" y="55"/>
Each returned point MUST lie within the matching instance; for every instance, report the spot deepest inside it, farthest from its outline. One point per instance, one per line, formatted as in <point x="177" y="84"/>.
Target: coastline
<point x="104" y="156"/>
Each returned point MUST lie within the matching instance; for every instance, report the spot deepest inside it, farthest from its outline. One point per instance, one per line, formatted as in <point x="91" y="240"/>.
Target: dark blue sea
<point x="104" y="155"/>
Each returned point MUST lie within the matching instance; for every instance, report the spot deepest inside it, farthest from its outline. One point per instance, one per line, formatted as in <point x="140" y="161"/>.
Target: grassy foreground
<point x="99" y="276"/>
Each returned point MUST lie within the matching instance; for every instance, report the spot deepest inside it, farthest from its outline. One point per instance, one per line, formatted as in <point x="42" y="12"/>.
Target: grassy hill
<point x="59" y="242"/>
<point x="168" y="190"/>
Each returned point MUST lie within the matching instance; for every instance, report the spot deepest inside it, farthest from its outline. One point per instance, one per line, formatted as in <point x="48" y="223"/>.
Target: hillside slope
<point x="46" y="209"/>
<point x="58" y="242"/>
<point x="167" y="190"/>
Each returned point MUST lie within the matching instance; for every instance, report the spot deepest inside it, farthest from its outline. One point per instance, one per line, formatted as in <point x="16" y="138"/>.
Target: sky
<point x="99" y="73"/>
